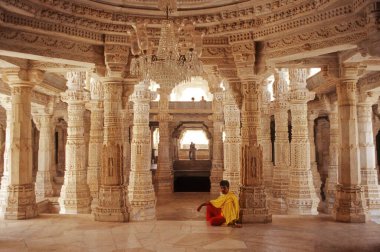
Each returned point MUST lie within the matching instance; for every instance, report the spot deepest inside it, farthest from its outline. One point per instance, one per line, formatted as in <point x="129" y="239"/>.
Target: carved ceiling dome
<point x="182" y="4"/>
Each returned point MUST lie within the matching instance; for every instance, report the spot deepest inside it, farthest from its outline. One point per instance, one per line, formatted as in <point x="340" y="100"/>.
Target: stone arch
<point x="183" y="126"/>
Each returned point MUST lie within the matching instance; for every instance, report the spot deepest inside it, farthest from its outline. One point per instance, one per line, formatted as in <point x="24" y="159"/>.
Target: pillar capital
<point x="141" y="93"/>
<point x="6" y="102"/>
<point x="297" y="78"/>
<point x="351" y="72"/>
<point x="96" y="89"/>
<point x="280" y="85"/>
<point x="22" y="77"/>
<point x="368" y="98"/>
<point x="312" y="115"/>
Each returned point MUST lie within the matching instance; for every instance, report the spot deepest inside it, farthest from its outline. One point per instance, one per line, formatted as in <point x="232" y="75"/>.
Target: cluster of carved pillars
<point x="351" y="187"/>
<point x="117" y="183"/>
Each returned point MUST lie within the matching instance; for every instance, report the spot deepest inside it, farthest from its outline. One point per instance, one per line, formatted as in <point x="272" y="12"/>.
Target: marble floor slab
<point x="180" y="228"/>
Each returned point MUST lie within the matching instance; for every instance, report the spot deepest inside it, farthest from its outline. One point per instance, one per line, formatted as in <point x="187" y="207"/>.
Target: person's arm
<point x="202" y="205"/>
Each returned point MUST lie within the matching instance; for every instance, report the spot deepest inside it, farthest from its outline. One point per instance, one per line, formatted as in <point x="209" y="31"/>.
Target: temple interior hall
<point x="118" y="118"/>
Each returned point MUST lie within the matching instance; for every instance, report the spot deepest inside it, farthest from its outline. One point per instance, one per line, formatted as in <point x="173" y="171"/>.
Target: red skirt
<point x="214" y="215"/>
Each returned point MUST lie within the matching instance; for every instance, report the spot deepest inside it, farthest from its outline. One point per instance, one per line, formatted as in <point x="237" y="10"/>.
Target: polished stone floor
<point x="179" y="227"/>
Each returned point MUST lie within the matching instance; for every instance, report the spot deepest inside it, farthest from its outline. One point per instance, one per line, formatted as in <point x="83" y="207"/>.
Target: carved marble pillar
<point x="75" y="195"/>
<point x="21" y="198"/>
<point x="350" y="204"/>
<point x="332" y="177"/>
<point x="164" y="174"/>
<point x="127" y="117"/>
<point x="96" y="139"/>
<point x="232" y="142"/>
<point x="45" y="186"/>
<point x="265" y="140"/>
<point x="112" y="202"/>
<point x="313" y="161"/>
<point x="281" y="145"/>
<point x="5" y="102"/>
<point x="369" y="178"/>
<point x="253" y="198"/>
<point x="141" y="193"/>
<point x="301" y="197"/>
<point x="217" y="156"/>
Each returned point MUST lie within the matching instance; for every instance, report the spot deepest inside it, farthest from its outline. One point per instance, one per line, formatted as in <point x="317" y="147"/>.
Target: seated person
<point x="224" y="209"/>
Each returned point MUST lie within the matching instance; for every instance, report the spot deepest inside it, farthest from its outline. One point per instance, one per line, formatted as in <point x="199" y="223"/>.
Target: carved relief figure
<point x="251" y="164"/>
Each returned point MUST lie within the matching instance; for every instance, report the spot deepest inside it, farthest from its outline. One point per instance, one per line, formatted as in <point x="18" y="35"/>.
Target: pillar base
<point x="141" y="196"/>
<point x="254" y="207"/>
<point x="111" y="205"/>
<point x="143" y="212"/>
<point x="44" y="185"/>
<point x="21" y="203"/>
<point x="164" y="185"/>
<point x="278" y="206"/>
<point x="350" y="205"/>
<point x="330" y="195"/>
<point x="74" y="201"/>
<point x="301" y="196"/>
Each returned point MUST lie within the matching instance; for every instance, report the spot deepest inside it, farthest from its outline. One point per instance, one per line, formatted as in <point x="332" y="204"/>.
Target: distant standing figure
<point x="192" y="98"/>
<point x="192" y="151"/>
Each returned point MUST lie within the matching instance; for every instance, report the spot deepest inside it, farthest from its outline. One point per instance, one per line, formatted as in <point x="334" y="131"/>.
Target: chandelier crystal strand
<point x="178" y="52"/>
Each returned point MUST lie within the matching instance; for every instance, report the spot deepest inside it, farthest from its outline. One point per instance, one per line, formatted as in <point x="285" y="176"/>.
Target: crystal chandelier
<point x="177" y="56"/>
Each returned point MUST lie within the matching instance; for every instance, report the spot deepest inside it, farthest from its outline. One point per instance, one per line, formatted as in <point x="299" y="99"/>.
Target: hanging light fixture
<point x="177" y="56"/>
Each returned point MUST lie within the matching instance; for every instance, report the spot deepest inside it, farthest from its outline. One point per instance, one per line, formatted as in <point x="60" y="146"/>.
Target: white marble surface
<point x="53" y="232"/>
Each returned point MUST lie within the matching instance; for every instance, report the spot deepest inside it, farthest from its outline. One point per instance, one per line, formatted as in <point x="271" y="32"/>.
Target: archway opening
<point x="192" y="169"/>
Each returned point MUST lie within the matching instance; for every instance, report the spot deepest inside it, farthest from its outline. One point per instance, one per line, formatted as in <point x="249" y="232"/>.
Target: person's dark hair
<point x="225" y="183"/>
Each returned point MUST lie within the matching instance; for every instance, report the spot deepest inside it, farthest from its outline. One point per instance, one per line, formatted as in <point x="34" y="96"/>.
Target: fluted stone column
<point x="75" y="195"/>
<point x="96" y="139"/>
<point x="332" y="177"/>
<point x="112" y="203"/>
<point x="231" y="146"/>
<point x="265" y="139"/>
<point x="45" y="186"/>
<point x="21" y="198"/>
<point x="368" y="170"/>
<point x="350" y="204"/>
<point x="164" y="174"/>
<point x="217" y="151"/>
<point x="281" y="145"/>
<point x="301" y="197"/>
<point x="141" y="193"/>
<point x="5" y="102"/>
<point x="313" y="161"/>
